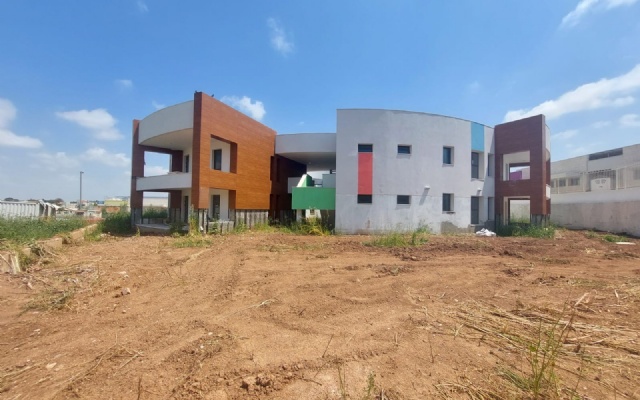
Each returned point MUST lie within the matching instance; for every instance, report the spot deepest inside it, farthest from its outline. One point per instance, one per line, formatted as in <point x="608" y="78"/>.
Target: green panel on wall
<point x="317" y="198"/>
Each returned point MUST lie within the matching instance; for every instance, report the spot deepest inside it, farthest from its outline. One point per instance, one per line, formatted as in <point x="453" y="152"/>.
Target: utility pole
<point x="80" y="202"/>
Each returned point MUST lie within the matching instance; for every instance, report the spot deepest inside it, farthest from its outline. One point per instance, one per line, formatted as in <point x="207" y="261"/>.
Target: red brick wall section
<point x="254" y="145"/>
<point x="512" y="137"/>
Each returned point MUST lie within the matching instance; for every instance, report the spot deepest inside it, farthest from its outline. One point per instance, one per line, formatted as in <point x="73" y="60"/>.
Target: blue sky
<point x="74" y="74"/>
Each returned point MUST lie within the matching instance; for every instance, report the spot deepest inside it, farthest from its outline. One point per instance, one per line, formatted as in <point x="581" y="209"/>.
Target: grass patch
<point x="264" y="227"/>
<point x="607" y="237"/>
<point x="62" y="286"/>
<point x="51" y="299"/>
<point x="552" y="350"/>
<point x="528" y="230"/>
<point x="25" y="230"/>
<point x="613" y="238"/>
<point x="309" y="226"/>
<point x="192" y="241"/>
<point x="370" y="391"/>
<point x="93" y="235"/>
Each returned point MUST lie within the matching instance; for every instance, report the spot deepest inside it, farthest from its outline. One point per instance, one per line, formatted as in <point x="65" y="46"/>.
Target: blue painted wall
<point x="477" y="137"/>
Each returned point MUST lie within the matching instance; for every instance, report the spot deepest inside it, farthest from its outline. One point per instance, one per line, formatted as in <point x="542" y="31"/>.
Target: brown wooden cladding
<point x="253" y="144"/>
<point x="522" y="135"/>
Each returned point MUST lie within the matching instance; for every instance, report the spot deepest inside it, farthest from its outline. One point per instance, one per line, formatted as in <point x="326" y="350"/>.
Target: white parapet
<point x="173" y="180"/>
<point x="171" y="119"/>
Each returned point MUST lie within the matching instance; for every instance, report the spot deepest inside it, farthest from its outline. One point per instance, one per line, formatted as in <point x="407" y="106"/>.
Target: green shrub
<point x="530" y="230"/>
<point x="176" y="228"/>
<point x="154" y="212"/>
<point x="24" y="230"/>
<point x="116" y="224"/>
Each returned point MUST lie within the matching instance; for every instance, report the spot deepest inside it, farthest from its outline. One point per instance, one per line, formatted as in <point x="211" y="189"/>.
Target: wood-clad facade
<point x="246" y="182"/>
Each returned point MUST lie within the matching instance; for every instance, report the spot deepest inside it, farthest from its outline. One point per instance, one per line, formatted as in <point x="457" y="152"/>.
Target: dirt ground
<point x="279" y="316"/>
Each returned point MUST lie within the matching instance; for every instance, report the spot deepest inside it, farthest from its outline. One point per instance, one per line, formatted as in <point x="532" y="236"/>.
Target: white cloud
<point x="157" y="105"/>
<point x="124" y="83"/>
<point x="10" y="139"/>
<point x="630" y="120"/>
<point x="101" y="124"/>
<point x="142" y="6"/>
<point x="612" y="92"/>
<point x="153" y="170"/>
<point x="101" y="155"/>
<point x="55" y="161"/>
<point x="586" y="6"/>
<point x="473" y="87"/>
<point x="565" y="135"/>
<point x="63" y="161"/>
<point x="8" y="113"/>
<point x="279" y="40"/>
<point x="600" y="124"/>
<point x="254" y="109"/>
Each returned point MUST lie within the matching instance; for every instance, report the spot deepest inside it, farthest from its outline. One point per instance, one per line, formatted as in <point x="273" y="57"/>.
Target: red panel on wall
<point x="365" y="173"/>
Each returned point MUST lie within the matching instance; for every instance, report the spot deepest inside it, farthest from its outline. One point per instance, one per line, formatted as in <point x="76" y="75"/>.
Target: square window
<point x="447" y="155"/>
<point x="365" y="148"/>
<point x="574" y="181"/>
<point x="365" y="199"/>
<point x="403" y="199"/>
<point x="404" y="149"/>
<point x="562" y="182"/>
<point x="447" y="202"/>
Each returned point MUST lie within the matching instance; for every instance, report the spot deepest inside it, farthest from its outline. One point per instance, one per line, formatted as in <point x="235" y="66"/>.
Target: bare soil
<point x="278" y="316"/>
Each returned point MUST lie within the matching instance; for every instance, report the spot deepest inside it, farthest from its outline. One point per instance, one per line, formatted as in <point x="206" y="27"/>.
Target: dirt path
<point x="275" y="316"/>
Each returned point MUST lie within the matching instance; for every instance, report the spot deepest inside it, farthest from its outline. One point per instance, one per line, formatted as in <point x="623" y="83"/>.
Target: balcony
<point x="170" y="181"/>
<point x="170" y="128"/>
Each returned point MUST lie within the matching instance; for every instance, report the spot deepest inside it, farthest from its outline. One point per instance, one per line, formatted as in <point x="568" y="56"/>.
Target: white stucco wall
<point x="224" y="203"/>
<point x="618" y="217"/>
<point x="399" y="174"/>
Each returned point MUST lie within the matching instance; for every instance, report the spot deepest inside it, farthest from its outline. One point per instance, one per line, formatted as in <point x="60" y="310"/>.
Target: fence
<point x="592" y="181"/>
<point x="25" y="209"/>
